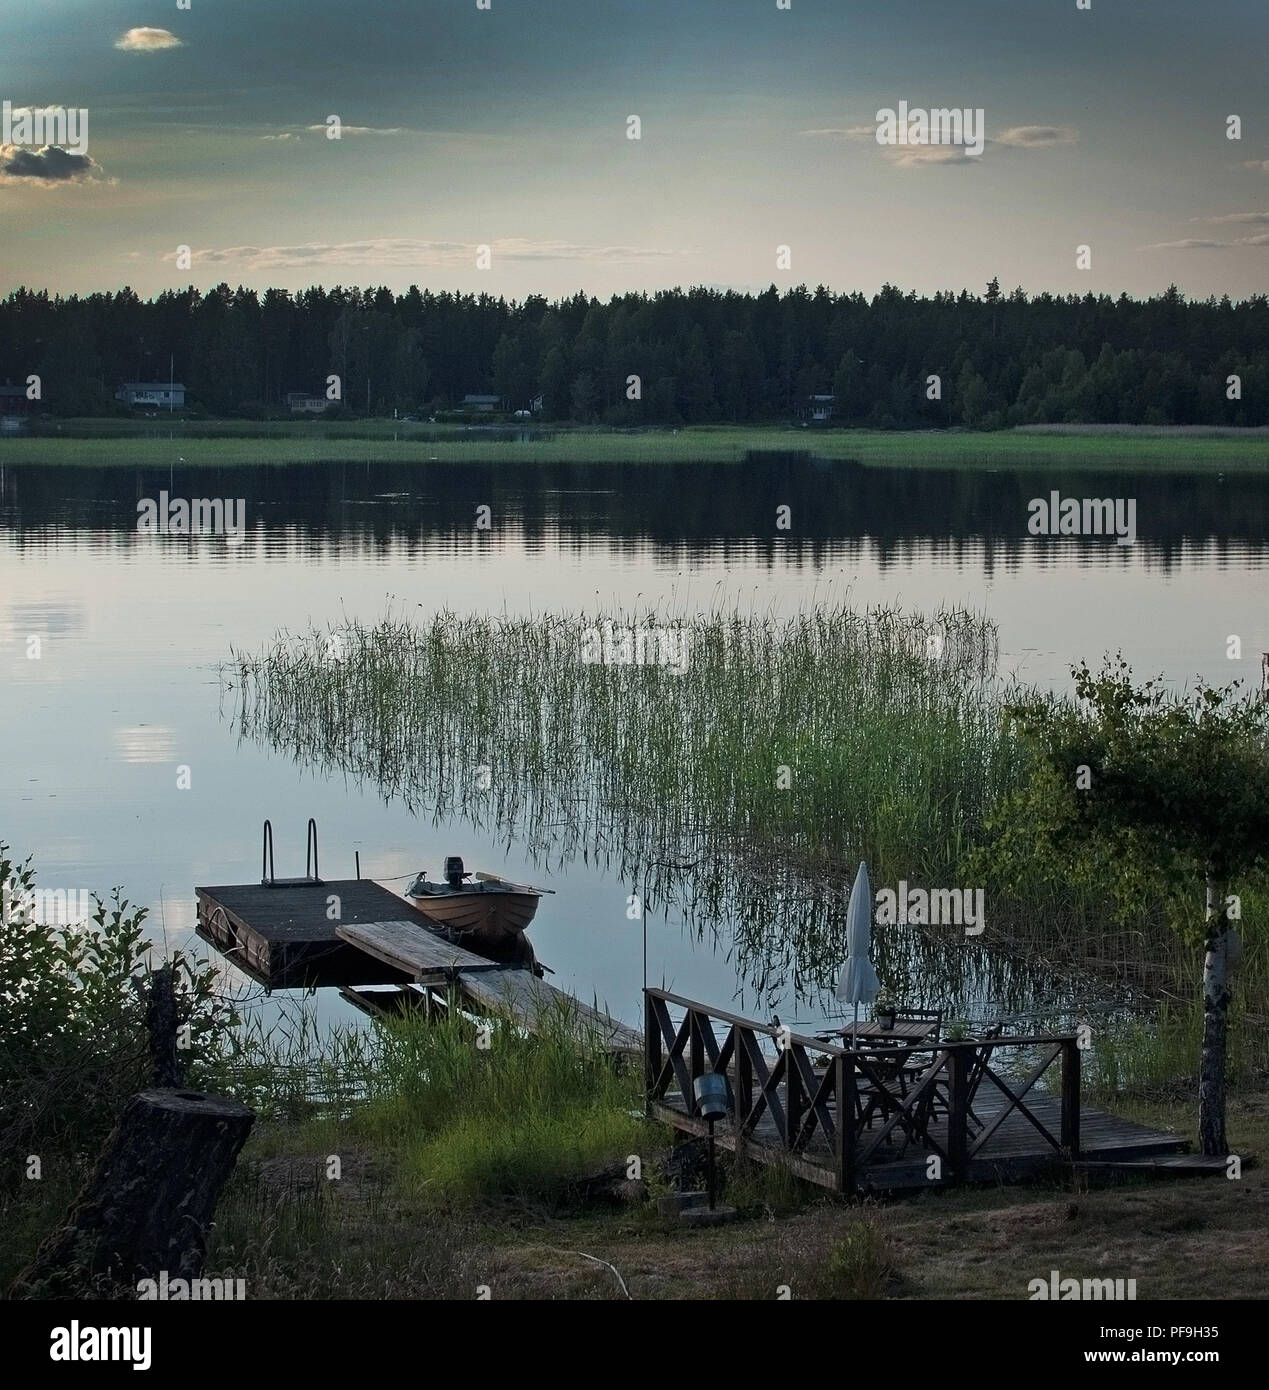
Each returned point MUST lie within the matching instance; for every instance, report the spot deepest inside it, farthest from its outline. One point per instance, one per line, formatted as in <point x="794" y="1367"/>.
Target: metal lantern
<point x="710" y="1094"/>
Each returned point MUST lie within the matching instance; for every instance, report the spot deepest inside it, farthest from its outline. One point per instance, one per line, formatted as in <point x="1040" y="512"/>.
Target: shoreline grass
<point x="247" y="443"/>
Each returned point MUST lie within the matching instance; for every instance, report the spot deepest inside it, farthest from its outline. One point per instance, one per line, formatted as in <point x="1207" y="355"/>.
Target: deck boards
<point x="1170" y="1165"/>
<point x="1016" y="1149"/>
<point x="524" y="998"/>
<point x="429" y="958"/>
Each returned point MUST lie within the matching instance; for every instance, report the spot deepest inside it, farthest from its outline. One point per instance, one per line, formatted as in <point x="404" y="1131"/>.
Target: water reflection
<point x="687" y="512"/>
<point x="134" y="627"/>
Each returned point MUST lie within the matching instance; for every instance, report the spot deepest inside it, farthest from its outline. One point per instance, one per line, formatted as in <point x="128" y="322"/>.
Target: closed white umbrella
<point x="858" y="983"/>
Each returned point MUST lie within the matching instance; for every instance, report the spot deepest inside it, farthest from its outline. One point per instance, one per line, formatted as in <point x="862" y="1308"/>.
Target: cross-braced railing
<point x="821" y="1099"/>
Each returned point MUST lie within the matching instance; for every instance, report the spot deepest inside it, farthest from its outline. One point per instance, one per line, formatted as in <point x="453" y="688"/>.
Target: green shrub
<point x="73" y="1043"/>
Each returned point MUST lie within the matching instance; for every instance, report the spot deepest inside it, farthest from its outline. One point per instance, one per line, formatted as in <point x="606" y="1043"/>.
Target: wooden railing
<point x="926" y="1094"/>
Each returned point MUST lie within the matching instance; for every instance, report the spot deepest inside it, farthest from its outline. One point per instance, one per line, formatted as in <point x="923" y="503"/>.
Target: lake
<point x="133" y="628"/>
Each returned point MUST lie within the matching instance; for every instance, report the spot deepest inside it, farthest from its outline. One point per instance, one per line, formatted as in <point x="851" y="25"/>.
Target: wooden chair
<point x="934" y="1016"/>
<point x="977" y="1068"/>
<point x="982" y="1056"/>
<point x="915" y="1068"/>
<point x="879" y="1098"/>
<point x="935" y="1097"/>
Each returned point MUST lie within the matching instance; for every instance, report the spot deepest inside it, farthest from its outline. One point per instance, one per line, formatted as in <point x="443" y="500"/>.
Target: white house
<point x="168" y="394"/>
<point x="818" y="409"/>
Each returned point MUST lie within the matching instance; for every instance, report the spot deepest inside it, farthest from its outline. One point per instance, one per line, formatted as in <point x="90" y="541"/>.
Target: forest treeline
<point x="699" y="355"/>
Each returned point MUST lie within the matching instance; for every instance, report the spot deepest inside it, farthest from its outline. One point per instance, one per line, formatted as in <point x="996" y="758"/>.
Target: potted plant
<point x="883" y="1010"/>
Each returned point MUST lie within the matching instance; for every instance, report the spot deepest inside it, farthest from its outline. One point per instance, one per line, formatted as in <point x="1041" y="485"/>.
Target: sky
<point x="507" y="128"/>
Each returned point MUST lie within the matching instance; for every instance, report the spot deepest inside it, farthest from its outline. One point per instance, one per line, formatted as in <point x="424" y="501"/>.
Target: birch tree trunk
<point x="1215" y="1024"/>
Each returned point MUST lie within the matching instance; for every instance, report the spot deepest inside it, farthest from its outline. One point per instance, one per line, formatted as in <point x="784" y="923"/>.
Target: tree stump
<point x="149" y="1204"/>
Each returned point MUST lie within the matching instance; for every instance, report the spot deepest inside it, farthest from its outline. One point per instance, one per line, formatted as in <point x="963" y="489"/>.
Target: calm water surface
<point x="133" y="629"/>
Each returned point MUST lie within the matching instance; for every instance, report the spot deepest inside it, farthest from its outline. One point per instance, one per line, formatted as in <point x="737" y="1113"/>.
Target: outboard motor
<point x="454" y="871"/>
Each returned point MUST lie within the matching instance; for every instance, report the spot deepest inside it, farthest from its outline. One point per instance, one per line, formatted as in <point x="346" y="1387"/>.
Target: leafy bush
<point x="73" y="1043"/>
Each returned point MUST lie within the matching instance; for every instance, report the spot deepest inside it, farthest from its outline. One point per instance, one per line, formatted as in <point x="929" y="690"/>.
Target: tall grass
<point x="460" y="1115"/>
<point x="887" y="746"/>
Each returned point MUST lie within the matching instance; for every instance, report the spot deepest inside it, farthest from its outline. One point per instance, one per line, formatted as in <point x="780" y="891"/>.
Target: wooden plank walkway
<point x="522" y="997"/>
<point x="429" y="959"/>
<point x="485" y="985"/>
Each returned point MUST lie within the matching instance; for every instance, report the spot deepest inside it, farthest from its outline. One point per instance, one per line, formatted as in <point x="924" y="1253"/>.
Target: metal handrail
<point x="310" y="849"/>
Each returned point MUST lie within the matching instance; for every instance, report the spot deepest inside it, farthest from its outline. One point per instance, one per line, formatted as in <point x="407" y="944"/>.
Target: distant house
<point x="168" y="394"/>
<point x="482" y="403"/>
<point x="301" y="403"/>
<point x="14" y="408"/>
<point x="817" y="409"/>
<point x="13" y="400"/>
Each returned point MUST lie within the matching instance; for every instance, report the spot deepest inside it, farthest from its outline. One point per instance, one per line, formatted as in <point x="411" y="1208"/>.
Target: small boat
<point x="487" y="916"/>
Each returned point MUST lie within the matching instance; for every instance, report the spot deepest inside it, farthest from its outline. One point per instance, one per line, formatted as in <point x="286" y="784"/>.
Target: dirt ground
<point x="1192" y="1237"/>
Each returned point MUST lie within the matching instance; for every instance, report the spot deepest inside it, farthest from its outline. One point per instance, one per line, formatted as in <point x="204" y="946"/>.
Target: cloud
<point x="1261" y="164"/>
<point x="146" y="40"/>
<point x="1255" y="219"/>
<point x="520" y="249"/>
<point x="850" y="132"/>
<point x="1206" y="244"/>
<point x="49" y="165"/>
<point x="408" y="252"/>
<point x="284" y="135"/>
<point x="918" y="156"/>
<point x="1187" y="244"/>
<point x="1027" y="137"/>
<point x="925" y="156"/>
<point x="1031" y="137"/>
<point x="362" y="129"/>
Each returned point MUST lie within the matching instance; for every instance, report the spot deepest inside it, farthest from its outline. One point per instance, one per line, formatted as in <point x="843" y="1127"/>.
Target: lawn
<point x="153" y="444"/>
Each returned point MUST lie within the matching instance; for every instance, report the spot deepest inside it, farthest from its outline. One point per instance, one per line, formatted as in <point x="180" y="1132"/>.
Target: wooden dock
<point x="837" y="1117"/>
<point x="283" y="935"/>
<point x="484" y="986"/>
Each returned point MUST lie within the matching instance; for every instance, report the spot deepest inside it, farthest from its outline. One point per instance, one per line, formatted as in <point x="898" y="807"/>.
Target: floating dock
<point x="353" y="933"/>
<point x="284" y="937"/>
